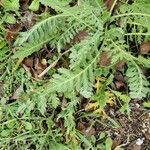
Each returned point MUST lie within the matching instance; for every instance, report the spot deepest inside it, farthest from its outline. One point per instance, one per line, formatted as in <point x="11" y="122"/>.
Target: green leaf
<point x="9" y="18"/>
<point x="85" y="141"/>
<point x="27" y="125"/>
<point x="11" y="123"/>
<point x="2" y="43"/>
<point x="42" y="104"/>
<point x="138" y="84"/>
<point x="102" y="135"/>
<point x="122" y="97"/>
<point x="12" y="5"/>
<point x="146" y="104"/>
<point x="34" y="5"/>
<point x="108" y="143"/>
<point x="5" y="133"/>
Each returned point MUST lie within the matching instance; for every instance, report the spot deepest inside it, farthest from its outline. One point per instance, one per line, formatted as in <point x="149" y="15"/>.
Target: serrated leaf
<point x="10" y="4"/>
<point x="138" y="84"/>
<point x="5" y="133"/>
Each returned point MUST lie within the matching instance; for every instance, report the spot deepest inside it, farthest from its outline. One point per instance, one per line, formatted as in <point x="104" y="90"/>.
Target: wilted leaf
<point x="136" y="147"/>
<point x="88" y="132"/>
<point x="145" y="48"/>
<point x="13" y="32"/>
<point x="116" y="142"/>
<point x="91" y="106"/>
<point x="80" y="126"/>
<point x="105" y="60"/>
<point x="109" y="3"/>
<point x="28" y="62"/>
<point x="119" y="65"/>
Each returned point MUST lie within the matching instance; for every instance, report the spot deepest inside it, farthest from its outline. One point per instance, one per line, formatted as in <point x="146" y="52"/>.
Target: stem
<point x="130" y="14"/>
<point x="113" y="5"/>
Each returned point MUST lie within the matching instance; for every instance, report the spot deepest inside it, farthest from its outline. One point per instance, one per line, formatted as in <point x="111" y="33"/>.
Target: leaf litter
<point x="133" y="133"/>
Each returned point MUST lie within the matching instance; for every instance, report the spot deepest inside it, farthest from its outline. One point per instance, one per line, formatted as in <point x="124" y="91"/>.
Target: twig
<point x="113" y="5"/>
<point x="48" y="68"/>
<point x="128" y="140"/>
<point x="52" y="65"/>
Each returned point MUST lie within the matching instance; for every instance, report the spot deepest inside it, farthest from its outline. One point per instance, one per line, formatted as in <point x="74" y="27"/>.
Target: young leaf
<point x="108" y="143"/>
<point x="34" y="5"/>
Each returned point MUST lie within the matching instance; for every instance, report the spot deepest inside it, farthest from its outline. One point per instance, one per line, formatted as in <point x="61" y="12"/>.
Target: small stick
<point x="113" y="5"/>
<point x="52" y="65"/>
<point x="48" y="68"/>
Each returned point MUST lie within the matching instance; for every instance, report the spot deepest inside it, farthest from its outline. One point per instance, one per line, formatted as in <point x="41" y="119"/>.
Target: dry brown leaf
<point x="39" y="66"/>
<point x="147" y="135"/>
<point x="80" y="36"/>
<point x="105" y="60"/>
<point x="28" y="62"/>
<point x="24" y="4"/>
<point x="13" y="32"/>
<point x="116" y="142"/>
<point x="80" y="126"/>
<point x="89" y="131"/>
<point x="109" y="3"/>
<point x="17" y="92"/>
<point x="145" y="47"/>
<point x="119" y="84"/>
<point x="136" y="147"/>
<point x="119" y="65"/>
<point x="119" y="76"/>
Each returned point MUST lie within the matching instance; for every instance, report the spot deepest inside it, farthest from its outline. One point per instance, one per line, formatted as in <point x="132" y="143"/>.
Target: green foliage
<point x="137" y="17"/>
<point x="34" y="5"/>
<point x="138" y="84"/>
<point x="12" y="5"/>
<point x="20" y="126"/>
<point x="146" y="104"/>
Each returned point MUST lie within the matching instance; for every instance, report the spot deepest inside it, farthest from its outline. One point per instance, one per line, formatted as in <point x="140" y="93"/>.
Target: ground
<point x="104" y="121"/>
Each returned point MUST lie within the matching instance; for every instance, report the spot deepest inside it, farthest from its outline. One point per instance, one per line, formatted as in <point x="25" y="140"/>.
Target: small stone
<point x="139" y="141"/>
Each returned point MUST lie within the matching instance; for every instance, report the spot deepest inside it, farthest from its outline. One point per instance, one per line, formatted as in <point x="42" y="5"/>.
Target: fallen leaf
<point x="105" y="60"/>
<point x="28" y="62"/>
<point x="88" y="132"/>
<point x="24" y="4"/>
<point x="91" y="106"/>
<point x="147" y="135"/>
<point x="80" y="36"/>
<point x="80" y="126"/>
<point x="17" y="92"/>
<point x="136" y="147"/>
<point x="119" y="84"/>
<point x="119" y="77"/>
<point x="13" y="32"/>
<point x="145" y="47"/>
<point x="119" y="65"/>
<point x="116" y="142"/>
<point x="109" y="3"/>
<point x="39" y="66"/>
